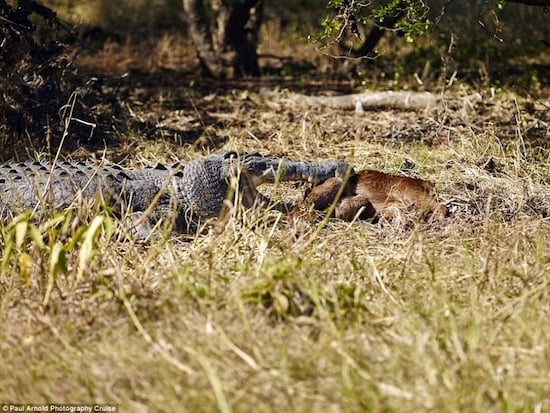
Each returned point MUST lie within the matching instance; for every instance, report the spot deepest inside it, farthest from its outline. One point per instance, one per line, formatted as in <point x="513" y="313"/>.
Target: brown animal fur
<point x="368" y="192"/>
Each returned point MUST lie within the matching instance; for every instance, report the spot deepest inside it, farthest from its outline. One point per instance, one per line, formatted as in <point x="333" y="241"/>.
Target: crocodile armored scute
<point x="191" y="191"/>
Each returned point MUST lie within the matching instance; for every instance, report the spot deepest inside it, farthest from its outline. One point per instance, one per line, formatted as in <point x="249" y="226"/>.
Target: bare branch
<point x="539" y="3"/>
<point x="374" y="100"/>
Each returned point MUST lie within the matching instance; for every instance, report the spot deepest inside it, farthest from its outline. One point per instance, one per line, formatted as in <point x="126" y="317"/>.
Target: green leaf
<point x="86" y="252"/>
<point x="6" y="254"/>
<point x="58" y="263"/>
<point x="36" y="236"/>
<point x="25" y="263"/>
<point x="20" y="232"/>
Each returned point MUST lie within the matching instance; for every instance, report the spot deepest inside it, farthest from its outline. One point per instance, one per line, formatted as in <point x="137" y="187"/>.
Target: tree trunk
<point x="225" y="34"/>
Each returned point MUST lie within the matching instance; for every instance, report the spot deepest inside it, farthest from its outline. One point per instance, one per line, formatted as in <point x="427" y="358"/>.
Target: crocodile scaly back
<point x="190" y="191"/>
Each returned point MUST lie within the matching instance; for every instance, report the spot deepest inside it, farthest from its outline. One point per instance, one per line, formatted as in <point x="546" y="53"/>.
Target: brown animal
<point x="368" y="192"/>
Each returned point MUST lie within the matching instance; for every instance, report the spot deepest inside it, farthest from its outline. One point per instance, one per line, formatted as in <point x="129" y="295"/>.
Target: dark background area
<point x="84" y="82"/>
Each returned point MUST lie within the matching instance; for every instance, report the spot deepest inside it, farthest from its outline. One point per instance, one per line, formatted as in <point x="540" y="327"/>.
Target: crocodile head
<point x="261" y="169"/>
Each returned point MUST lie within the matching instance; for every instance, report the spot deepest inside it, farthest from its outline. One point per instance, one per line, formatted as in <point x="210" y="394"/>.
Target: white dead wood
<point x="375" y="100"/>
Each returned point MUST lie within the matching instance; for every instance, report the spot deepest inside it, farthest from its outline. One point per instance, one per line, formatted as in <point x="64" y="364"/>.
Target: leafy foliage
<point x="415" y="20"/>
<point x="412" y="17"/>
<point x="23" y="241"/>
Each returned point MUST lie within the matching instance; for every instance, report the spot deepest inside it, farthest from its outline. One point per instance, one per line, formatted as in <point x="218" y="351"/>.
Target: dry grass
<point x="397" y="316"/>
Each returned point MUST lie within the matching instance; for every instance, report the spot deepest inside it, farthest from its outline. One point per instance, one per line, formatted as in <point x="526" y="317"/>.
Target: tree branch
<point x="375" y="100"/>
<point x="539" y="3"/>
<point x="378" y="31"/>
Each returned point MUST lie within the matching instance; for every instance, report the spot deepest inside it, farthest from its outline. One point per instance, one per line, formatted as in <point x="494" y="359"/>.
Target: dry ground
<point x="332" y="317"/>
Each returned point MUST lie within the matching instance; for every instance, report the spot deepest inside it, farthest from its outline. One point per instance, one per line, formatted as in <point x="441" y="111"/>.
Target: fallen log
<point x="375" y="100"/>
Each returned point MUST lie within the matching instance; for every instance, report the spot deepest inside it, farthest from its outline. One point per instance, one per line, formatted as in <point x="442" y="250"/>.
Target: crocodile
<point x="188" y="192"/>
